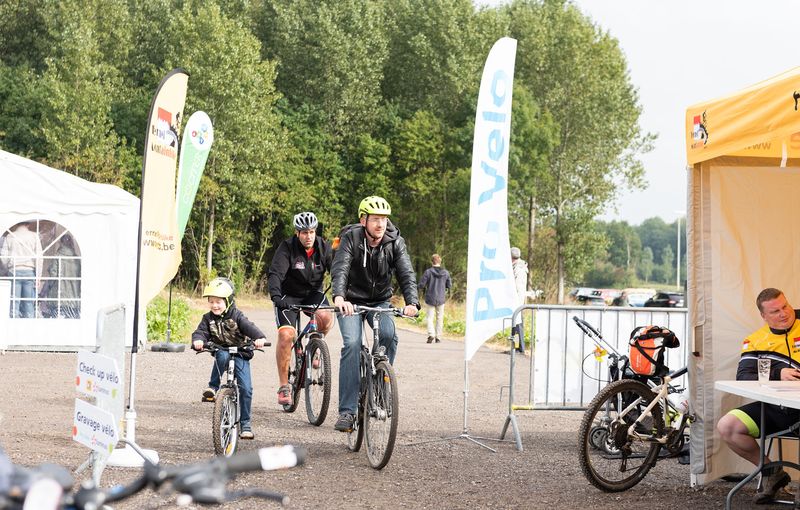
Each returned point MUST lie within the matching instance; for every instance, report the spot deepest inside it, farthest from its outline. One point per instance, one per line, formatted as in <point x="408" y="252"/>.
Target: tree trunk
<point x="531" y="232"/>
<point x="209" y="249"/>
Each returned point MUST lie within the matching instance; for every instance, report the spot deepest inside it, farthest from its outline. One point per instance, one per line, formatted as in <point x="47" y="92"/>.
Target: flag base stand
<point x="131" y="455"/>
<point x="465" y="433"/>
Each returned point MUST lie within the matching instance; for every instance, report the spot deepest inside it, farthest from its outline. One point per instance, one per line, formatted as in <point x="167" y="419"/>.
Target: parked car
<point x="592" y="298"/>
<point x="666" y="300"/>
<point x="638" y="297"/>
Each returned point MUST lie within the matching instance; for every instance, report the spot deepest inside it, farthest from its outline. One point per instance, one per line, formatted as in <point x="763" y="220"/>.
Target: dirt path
<point x="36" y="414"/>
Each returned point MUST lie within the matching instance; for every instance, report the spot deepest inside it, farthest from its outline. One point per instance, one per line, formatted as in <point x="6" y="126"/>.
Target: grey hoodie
<point x="435" y="280"/>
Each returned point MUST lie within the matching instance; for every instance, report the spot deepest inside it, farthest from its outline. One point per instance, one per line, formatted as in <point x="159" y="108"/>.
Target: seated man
<point x="740" y="427"/>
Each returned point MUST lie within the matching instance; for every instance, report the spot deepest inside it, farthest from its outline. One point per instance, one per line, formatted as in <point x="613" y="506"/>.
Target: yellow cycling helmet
<point x="221" y="288"/>
<point x="374" y="205"/>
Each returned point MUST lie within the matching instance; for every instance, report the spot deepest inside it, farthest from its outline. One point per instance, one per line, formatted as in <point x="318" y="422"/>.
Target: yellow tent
<point x="743" y="152"/>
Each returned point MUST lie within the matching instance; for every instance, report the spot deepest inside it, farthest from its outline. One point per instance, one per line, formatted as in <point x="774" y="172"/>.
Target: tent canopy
<point x="743" y="206"/>
<point x="102" y="223"/>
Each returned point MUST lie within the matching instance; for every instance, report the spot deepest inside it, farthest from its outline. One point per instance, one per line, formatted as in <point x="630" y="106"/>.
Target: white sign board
<point x="98" y="376"/>
<point x="94" y="428"/>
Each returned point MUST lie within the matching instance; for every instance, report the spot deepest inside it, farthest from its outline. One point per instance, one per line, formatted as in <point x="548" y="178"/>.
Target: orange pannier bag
<point x="647" y="344"/>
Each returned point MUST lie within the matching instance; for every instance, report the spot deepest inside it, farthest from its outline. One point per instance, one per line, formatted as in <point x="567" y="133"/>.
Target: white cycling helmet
<point x="305" y="221"/>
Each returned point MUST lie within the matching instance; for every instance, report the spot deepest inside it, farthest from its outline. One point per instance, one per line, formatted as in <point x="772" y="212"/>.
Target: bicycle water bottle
<point x="680" y="401"/>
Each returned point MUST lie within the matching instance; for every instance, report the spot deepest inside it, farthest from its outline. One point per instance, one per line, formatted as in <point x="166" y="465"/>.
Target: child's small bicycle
<point x="226" y="424"/>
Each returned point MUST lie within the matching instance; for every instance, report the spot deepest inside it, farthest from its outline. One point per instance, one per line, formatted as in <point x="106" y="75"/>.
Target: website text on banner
<point x="198" y="135"/>
<point x="491" y="295"/>
<point x="160" y="248"/>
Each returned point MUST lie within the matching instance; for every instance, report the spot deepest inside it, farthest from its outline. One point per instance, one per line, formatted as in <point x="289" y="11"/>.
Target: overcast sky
<point x="682" y="52"/>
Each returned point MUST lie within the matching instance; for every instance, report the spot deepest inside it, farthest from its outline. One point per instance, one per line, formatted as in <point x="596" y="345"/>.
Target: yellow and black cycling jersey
<point x="781" y="346"/>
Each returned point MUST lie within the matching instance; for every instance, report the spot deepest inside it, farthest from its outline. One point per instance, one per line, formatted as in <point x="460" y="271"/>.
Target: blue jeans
<point x="350" y="327"/>
<point x="242" y="370"/>
<point x="24" y="288"/>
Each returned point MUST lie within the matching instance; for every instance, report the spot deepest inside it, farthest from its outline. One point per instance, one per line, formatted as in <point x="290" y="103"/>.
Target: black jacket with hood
<point x="230" y="328"/>
<point x="363" y="275"/>
<point x="435" y="281"/>
<point x="293" y="273"/>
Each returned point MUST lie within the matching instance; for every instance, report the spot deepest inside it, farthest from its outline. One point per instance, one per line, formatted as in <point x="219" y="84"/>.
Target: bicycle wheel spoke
<point x="225" y="428"/>
<point x="318" y="384"/>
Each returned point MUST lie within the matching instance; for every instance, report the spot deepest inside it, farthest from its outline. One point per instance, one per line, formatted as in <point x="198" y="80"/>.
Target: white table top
<point x="782" y="393"/>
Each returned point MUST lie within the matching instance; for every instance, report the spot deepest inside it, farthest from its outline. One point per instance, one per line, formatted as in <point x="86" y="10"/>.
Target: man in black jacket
<point x="295" y="278"/>
<point x="367" y="255"/>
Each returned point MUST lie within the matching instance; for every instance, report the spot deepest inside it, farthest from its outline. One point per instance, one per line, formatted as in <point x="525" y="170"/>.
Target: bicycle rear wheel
<point x="225" y="425"/>
<point x="318" y="382"/>
<point x="295" y="377"/>
<point x="356" y="436"/>
<point x="612" y="459"/>
<point x="381" y="414"/>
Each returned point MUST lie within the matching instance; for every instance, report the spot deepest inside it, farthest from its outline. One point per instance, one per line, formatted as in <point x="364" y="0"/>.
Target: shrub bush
<point x="180" y="320"/>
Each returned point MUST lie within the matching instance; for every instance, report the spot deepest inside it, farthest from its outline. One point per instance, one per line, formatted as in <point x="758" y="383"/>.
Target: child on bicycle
<point x="226" y="325"/>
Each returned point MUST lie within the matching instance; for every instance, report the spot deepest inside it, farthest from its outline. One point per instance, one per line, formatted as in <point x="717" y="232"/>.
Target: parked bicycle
<point x="226" y="425"/>
<point x="49" y="487"/>
<point x="378" y="401"/>
<point x="631" y="420"/>
<point x="310" y="367"/>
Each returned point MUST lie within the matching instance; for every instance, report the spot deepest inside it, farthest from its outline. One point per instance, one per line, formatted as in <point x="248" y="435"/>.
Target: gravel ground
<point x="36" y="418"/>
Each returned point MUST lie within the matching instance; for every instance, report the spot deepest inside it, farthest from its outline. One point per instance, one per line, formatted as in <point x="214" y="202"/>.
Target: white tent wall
<point x="742" y="218"/>
<point x="103" y="221"/>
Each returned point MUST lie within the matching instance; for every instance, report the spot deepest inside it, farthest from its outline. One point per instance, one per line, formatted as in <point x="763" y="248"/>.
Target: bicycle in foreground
<point x="49" y="487"/>
<point x="225" y="422"/>
<point x="310" y="367"/>
<point x="629" y="423"/>
<point x="378" y="401"/>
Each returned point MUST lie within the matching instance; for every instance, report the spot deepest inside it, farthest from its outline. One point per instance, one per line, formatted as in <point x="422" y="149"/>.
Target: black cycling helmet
<point x="305" y="221"/>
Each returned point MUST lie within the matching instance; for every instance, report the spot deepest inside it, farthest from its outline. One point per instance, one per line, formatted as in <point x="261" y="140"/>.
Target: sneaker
<point x="208" y="395"/>
<point x="438" y="340"/>
<point x="770" y="485"/>
<point x="285" y="395"/>
<point x="430" y="339"/>
<point x="247" y="434"/>
<point x="345" y="422"/>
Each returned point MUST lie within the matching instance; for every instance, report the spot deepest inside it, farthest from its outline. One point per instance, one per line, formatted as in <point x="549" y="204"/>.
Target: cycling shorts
<point x="777" y="417"/>
<point x="286" y="317"/>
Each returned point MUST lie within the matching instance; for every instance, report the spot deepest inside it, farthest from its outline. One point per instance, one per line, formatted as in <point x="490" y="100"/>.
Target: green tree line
<point x="317" y="104"/>
<point x="646" y="254"/>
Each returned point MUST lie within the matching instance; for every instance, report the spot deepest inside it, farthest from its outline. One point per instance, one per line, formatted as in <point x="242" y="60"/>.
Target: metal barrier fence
<point x="563" y="373"/>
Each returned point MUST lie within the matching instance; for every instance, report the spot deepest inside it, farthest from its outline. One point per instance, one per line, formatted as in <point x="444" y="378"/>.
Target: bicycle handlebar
<point x="213" y="347"/>
<point x="204" y="482"/>
<point x="585" y="326"/>
<point x="397" y="312"/>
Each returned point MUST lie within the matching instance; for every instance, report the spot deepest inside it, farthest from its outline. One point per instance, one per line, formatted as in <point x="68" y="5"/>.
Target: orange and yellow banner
<point x="160" y="248"/>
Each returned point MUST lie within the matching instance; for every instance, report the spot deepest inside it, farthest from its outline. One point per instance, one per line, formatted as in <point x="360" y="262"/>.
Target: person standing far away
<point x="295" y="278"/>
<point x="435" y="282"/>
<point x="520" y="269"/>
<point x="22" y="254"/>
<point x="368" y="253"/>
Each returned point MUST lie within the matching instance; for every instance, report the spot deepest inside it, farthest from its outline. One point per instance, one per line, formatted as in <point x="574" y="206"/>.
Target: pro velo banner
<point x="160" y="246"/>
<point x="198" y="135"/>
<point x="491" y="295"/>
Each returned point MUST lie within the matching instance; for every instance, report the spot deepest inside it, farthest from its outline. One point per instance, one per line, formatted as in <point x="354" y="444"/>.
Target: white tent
<point x="744" y="155"/>
<point x="100" y="221"/>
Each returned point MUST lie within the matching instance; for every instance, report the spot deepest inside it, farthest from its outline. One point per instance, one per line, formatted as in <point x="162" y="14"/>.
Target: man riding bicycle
<point x="368" y="253"/>
<point x="295" y="278"/>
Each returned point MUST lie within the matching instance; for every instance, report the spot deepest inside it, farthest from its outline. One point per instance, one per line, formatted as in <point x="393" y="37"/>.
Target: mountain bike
<point x="378" y="401"/>
<point x="225" y="422"/>
<point x="310" y="367"/>
<point x="631" y="423"/>
<point x="49" y="487"/>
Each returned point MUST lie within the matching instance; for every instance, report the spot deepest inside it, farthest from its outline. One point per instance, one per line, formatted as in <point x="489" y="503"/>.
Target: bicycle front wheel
<point x="318" y="382"/>
<point x="613" y="458"/>
<point x="225" y="425"/>
<point x="381" y="415"/>
<point x="295" y="377"/>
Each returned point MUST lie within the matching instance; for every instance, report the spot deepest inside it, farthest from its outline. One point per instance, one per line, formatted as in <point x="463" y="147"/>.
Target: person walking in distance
<point x="435" y="282"/>
<point x="520" y="269"/>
